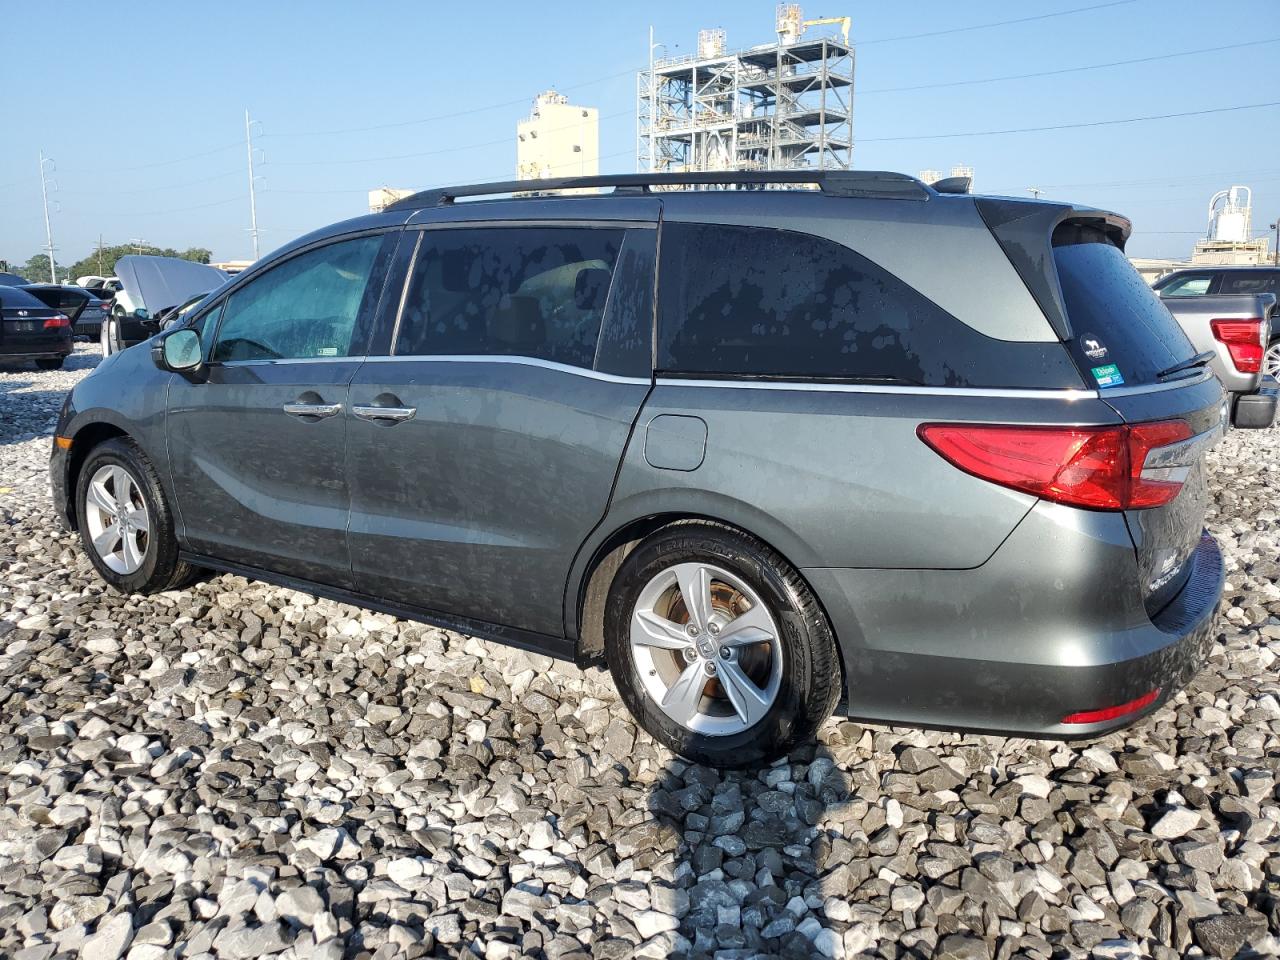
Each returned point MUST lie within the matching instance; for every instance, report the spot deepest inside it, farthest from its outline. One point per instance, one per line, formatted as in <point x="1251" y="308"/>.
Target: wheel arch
<point x="585" y="610"/>
<point x="83" y="442"/>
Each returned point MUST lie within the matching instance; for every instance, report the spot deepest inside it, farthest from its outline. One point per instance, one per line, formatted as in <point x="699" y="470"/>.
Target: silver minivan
<point x="934" y="458"/>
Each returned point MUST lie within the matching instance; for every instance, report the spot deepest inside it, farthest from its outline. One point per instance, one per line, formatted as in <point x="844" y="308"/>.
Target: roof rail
<point x="870" y="184"/>
<point x="953" y="184"/>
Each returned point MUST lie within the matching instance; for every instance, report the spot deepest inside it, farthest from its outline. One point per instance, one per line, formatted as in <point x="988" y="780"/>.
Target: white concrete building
<point x="558" y="139"/>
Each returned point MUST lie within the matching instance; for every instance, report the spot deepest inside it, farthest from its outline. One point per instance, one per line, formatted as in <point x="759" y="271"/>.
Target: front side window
<point x="306" y="307"/>
<point x="510" y="291"/>
<point x="1193" y="286"/>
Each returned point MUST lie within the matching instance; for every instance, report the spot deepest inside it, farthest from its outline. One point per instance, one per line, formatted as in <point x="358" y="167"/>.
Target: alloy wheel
<point x="117" y="517"/>
<point x="707" y="649"/>
<point x="1271" y="362"/>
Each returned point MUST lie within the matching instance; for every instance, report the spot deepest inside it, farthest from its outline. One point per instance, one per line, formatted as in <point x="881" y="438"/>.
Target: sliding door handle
<point x="316" y="411"/>
<point x="384" y="414"/>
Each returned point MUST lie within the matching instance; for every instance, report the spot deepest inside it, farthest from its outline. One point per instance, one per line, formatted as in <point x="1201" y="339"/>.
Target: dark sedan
<point x="32" y="330"/>
<point x="85" y="311"/>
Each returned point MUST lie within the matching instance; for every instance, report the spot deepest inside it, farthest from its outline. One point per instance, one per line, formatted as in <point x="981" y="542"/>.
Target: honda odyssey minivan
<point x="935" y="458"/>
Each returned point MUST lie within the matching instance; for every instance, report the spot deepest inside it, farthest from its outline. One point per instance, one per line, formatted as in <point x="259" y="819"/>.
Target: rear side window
<point x="1251" y="281"/>
<point x="1118" y="321"/>
<point x="761" y="302"/>
<point x="18" y="299"/>
<point x="510" y="291"/>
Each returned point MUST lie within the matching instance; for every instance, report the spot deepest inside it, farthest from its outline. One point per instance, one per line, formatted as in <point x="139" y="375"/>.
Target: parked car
<point x="151" y="287"/>
<point x="11" y="280"/>
<point x="1233" y="330"/>
<point x="85" y="311"/>
<point x="32" y="330"/>
<point x="938" y="456"/>
<point x="1222" y="281"/>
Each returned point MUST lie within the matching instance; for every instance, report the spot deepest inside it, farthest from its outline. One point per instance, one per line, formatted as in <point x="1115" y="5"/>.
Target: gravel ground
<point x="237" y="771"/>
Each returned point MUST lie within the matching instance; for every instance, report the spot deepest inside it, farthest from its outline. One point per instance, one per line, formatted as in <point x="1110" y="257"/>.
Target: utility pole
<point x="1035" y="192"/>
<point x="48" y="229"/>
<point x="1275" y="256"/>
<point x="253" y="198"/>
<point x="100" y="273"/>
<point x="653" y="103"/>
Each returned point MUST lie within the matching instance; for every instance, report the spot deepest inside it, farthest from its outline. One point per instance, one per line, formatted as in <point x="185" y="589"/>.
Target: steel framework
<point x="781" y="106"/>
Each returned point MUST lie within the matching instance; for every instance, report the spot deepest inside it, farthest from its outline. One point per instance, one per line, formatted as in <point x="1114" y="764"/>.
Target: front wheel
<point x="1271" y="362"/>
<point x="718" y="647"/>
<point x="125" y="522"/>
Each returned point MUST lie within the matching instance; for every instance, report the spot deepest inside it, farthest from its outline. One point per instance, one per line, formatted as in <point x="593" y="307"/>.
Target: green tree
<point x="37" y="269"/>
<point x="104" y="263"/>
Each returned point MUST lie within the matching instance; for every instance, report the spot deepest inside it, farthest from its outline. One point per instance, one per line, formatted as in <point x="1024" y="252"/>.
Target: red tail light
<point x="54" y="322"/>
<point x="1245" y="340"/>
<point x="1098" y="468"/>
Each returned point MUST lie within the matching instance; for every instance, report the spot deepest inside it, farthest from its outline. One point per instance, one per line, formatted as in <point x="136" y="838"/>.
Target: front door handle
<point x="318" y="411"/>
<point x="384" y="414"/>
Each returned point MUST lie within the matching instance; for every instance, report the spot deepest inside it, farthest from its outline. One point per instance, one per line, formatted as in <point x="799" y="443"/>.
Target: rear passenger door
<point x="483" y="446"/>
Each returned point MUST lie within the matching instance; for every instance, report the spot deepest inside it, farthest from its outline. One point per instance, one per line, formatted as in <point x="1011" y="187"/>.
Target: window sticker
<point x="1093" y="348"/>
<point x="1108" y="376"/>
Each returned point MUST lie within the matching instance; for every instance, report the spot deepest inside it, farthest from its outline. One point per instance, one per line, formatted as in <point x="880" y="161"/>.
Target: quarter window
<point x="306" y="307"/>
<point x="510" y="291"/>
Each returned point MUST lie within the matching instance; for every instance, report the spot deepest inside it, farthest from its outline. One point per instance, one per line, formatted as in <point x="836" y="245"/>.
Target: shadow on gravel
<point x="756" y="851"/>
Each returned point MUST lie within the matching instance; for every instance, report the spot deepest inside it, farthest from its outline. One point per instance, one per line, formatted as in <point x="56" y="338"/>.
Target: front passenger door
<point x="258" y="448"/>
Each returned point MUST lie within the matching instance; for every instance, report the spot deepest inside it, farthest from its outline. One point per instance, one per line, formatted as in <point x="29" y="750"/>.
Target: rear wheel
<point x="718" y="647"/>
<point x="50" y="363"/>
<point x="1271" y="362"/>
<point x="125" y="522"/>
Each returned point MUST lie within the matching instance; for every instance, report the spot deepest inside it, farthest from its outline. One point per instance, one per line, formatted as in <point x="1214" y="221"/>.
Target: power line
<point x="996" y="23"/>
<point x="1171" y="179"/>
<point x="173" y="160"/>
<point x="1071" y="126"/>
<point x="425" y="153"/>
<point x="1054" y="73"/>
<point x="444" y="116"/>
<point x="165" y="186"/>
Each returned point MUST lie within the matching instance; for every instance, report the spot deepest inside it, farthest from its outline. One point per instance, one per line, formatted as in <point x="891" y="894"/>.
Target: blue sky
<point x="147" y="135"/>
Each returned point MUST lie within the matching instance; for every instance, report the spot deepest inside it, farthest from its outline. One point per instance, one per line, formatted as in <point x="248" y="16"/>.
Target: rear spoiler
<point x="1024" y="229"/>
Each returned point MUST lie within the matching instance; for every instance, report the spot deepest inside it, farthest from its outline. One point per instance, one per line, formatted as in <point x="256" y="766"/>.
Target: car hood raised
<point x="160" y="282"/>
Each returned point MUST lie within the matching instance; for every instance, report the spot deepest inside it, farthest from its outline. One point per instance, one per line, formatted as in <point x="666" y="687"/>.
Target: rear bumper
<point x="36" y="352"/>
<point x="1254" y="411"/>
<point x="1052" y="625"/>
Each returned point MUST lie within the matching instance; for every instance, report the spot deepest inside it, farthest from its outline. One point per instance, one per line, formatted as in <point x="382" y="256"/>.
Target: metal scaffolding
<point x="782" y="106"/>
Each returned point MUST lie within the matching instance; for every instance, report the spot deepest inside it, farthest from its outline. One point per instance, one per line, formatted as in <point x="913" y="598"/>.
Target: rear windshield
<point x="13" y="297"/>
<point x="1123" y="334"/>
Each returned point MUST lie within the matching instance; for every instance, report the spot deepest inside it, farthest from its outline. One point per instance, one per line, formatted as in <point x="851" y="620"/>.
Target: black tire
<point x="811" y="677"/>
<point x="161" y="569"/>
<point x="50" y="363"/>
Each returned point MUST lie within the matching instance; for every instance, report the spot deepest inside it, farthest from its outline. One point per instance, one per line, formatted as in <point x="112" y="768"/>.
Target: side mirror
<point x="142" y="314"/>
<point x="180" y="351"/>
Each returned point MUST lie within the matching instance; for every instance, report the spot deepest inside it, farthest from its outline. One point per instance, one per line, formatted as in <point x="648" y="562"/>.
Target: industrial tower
<point x="781" y="106"/>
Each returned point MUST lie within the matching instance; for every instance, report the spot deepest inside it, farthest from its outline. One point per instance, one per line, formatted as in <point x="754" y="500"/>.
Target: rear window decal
<point x="1093" y="348"/>
<point x="1108" y="376"/>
